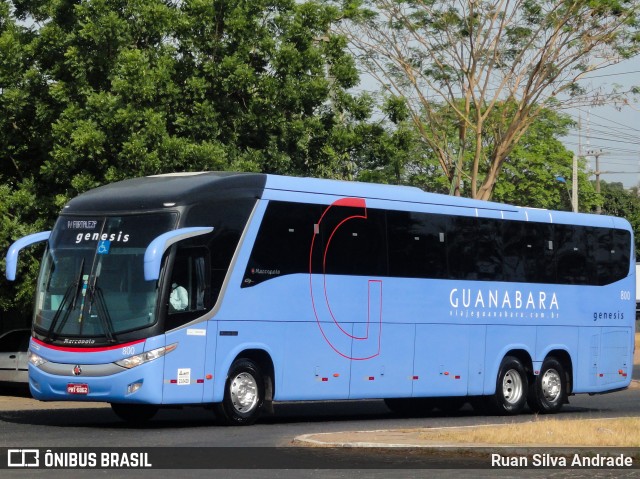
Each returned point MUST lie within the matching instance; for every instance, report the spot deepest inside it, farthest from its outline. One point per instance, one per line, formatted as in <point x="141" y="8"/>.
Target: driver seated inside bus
<point x="179" y="299"/>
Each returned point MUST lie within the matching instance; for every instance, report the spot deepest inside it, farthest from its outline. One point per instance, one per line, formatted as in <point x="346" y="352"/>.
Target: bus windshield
<point x="92" y="282"/>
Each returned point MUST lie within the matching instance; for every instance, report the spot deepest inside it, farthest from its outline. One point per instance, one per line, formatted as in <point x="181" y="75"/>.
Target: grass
<point x="624" y="432"/>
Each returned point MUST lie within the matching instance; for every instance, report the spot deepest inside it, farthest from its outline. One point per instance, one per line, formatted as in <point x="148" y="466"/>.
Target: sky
<point x="612" y="130"/>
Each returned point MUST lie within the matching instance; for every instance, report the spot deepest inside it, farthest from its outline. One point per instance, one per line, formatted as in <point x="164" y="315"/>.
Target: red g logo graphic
<point x="347" y="336"/>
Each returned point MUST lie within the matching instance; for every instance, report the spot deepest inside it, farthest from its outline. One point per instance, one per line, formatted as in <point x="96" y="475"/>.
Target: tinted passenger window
<point x="346" y="240"/>
<point x="488" y="249"/>
<point x="228" y="219"/>
<point x="620" y="254"/>
<point x="283" y="244"/>
<point x="528" y="252"/>
<point x="475" y="249"/>
<point x="352" y="243"/>
<point x="417" y="245"/>
<point x="573" y="265"/>
<point x="350" y="240"/>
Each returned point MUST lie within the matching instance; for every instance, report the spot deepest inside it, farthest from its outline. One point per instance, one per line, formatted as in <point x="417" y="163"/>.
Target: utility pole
<point x="574" y="185"/>
<point x="597" y="154"/>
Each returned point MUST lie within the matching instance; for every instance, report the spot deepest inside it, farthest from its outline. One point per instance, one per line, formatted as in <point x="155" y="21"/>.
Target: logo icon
<point x="23" y="458"/>
<point x="104" y="246"/>
<point x="77" y="370"/>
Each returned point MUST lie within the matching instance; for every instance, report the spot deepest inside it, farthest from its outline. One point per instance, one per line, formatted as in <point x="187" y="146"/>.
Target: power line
<point x="606" y="119"/>
<point x="609" y="75"/>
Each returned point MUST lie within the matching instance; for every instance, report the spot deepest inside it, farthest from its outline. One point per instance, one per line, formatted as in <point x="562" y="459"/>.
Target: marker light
<point x="133" y="387"/>
<point x="139" y="359"/>
<point x="35" y="360"/>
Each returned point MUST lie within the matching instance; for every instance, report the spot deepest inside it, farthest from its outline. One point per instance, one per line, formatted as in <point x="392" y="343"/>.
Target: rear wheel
<point x="134" y="413"/>
<point x="511" y="388"/>
<point x="549" y="390"/>
<point x="243" y="394"/>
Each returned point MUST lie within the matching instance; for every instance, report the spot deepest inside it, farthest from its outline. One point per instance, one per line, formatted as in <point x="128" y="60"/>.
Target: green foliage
<point x="21" y="216"/>
<point x="531" y="175"/>
<point x="490" y="67"/>
<point x="97" y="91"/>
<point x="617" y="201"/>
<point x="528" y="178"/>
<point x="101" y="90"/>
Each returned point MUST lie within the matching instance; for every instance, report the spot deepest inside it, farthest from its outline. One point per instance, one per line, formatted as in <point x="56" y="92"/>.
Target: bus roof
<point x="162" y="191"/>
<point x="182" y="189"/>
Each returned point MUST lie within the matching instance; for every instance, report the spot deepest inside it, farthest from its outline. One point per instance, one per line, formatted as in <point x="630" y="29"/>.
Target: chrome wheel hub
<point x="551" y="385"/>
<point x="244" y="392"/>
<point x="512" y="387"/>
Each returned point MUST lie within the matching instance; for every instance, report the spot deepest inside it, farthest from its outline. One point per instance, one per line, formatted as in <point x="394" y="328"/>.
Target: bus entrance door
<point x="184" y="367"/>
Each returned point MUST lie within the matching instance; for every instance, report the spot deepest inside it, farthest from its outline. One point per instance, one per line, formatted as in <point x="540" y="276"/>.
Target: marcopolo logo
<point x="470" y="302"/>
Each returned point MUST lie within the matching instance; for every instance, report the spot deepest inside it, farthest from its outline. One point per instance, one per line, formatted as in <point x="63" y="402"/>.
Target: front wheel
<point x="511" y="388"/>
<point x="549" y="390"/>
<point x="134" y="413"/>
<point x="243" y="395"/>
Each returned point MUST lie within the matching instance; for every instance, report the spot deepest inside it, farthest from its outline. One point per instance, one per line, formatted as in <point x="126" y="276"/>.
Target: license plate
<point x="77" y="389"/>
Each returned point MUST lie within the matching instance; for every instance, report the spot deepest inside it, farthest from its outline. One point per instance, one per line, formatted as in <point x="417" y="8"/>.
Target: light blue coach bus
<point x="237" y="290"/>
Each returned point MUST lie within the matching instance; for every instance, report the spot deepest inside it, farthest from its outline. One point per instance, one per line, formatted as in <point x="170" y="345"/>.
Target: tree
<point x="23" y="119"/>
<point x="536" y="173"/>
<point x="617" y="201"/>
<point x="123" y="88"/>
<point x="488" y="66"/>
<point x="96" y="91"/>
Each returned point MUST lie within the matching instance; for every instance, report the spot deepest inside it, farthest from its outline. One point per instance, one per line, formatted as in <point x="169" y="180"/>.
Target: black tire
<point x="410" y="407"/>
<point x="134" y="413"/>
<point x="548" y="392"/>
<point x="243" y="395"/>
<point x="512" y="388"/>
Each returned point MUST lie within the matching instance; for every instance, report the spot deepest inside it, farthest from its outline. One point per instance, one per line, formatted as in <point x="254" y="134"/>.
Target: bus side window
<point x="572" y="258"/>
<point x="599" y="242"/>
<point x="528" y="252"/>
<point x="488" y="250"/>
<point x="417" y="247"/>
<point x="283" y="243"/>
<point x="475" y="249"/>
<point x="189" y="287"/>
<point x="460" y="248"/>
<point x="620" y="255"/>
<point x="516" y="250"/>
<point x="354" y="245"/>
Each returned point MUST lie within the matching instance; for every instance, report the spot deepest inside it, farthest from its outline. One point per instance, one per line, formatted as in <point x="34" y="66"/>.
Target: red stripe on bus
<point x="86" y="350"/>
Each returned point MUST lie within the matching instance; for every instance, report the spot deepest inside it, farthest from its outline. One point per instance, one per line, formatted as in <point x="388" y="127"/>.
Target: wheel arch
<point x="263" y="358"/>
<point x="522" y="354"/>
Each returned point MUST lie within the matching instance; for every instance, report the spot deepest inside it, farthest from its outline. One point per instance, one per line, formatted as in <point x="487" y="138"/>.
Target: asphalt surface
<point x="336" y="439"/>
<point x="17" y="398"/>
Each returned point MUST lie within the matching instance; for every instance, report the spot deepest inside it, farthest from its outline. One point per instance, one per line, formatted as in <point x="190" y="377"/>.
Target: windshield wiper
<point x="73" y="287"/>
<point x="103" y="312"/>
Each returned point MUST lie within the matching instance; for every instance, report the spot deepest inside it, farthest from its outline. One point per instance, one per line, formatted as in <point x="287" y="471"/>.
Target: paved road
<point x="26" y="423"/>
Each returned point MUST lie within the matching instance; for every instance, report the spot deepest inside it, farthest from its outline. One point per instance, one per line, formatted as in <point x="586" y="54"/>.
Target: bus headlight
<point x="35" y="360"/>
<point x="139" y="359"/>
